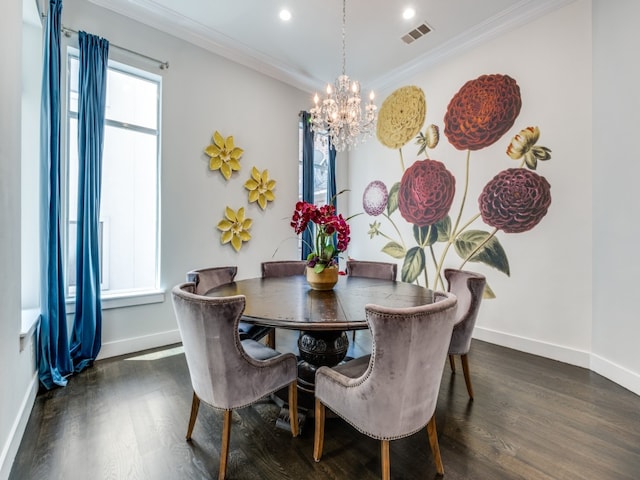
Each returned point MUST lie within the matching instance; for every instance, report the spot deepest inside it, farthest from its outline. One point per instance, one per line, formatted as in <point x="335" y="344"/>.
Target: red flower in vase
<point x="326" y="225"/>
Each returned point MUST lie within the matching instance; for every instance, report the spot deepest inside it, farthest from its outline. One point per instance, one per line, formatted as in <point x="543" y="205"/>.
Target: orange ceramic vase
<point x="324" y="280"/>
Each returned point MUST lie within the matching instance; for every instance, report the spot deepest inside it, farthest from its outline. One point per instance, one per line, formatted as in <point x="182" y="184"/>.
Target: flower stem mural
<point x="514" y="201"/>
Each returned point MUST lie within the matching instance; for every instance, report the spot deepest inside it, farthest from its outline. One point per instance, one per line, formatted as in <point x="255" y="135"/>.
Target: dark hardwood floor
<point x="532" y="418"/>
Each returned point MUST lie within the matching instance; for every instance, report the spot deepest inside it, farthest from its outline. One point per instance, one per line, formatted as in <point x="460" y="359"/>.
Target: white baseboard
<point x="137" y="344"/>
<point x="10" y="449"/>
<point x="553" y="351"/>
<point x="616" y="373"/>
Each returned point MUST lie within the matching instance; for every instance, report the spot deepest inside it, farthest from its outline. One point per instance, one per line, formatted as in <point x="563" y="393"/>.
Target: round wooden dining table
<point x="322" y="317"/>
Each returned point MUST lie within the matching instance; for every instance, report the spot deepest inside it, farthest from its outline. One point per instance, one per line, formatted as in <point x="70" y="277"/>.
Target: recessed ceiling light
<point x="285" y="15"/>
<point x="408" y="13"/>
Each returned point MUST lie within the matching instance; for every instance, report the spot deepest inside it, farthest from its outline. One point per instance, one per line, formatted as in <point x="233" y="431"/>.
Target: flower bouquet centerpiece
<point x="330" y="237"/>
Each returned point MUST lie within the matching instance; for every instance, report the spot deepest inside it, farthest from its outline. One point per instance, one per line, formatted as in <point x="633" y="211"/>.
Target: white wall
<point x="17" y="379"/>
<point x="203" y="93"/>
<point x="616" y="266"/>
<point x="544" y="307"/>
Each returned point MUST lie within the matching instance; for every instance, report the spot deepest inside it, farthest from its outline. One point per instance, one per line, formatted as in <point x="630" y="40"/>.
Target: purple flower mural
<point x="515" y="200"/>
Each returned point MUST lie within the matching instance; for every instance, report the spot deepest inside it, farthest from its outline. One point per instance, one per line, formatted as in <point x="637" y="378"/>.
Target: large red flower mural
<point x="426" y="192"/>
<point x="515" y="200"/>
<point x="482" y="111"/>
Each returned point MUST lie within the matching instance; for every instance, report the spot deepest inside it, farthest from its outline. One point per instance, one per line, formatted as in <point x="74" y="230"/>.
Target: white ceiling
<point x="307" y="51"/>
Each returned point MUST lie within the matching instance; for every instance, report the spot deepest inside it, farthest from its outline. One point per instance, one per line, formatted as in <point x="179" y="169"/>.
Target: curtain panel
<point x="307" y="177"/>
<point x="92" y="87"/>
<point x="54" y="361"/>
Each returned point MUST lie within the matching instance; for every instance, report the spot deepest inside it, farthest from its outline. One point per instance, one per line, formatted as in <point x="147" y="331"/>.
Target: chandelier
<point x="340" y="115"/>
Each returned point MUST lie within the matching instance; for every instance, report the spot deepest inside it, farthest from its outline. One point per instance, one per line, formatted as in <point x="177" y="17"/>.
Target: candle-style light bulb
<point x="316" y="99"/>
<point x="371" y="96"/>
<point x="328" y="89"/>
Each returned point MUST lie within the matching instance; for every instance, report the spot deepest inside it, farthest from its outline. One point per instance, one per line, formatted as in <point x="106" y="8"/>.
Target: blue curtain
<point x="331" y="181"/>
<point x="307" y="177"/>
<point x="54" y="361"/>
<point x="92" y="87"/>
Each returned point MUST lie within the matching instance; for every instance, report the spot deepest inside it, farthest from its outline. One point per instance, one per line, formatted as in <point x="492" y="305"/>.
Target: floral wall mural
<point x="514" y="201"/>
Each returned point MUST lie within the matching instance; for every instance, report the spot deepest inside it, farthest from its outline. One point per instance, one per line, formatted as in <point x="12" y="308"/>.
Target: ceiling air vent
<point x="416" y="33"/>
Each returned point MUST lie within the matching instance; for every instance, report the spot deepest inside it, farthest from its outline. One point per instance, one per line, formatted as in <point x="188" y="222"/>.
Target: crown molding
<point x="150" y="13"/>
<point x="171" y="22"/>
<point x="508" y="20"/>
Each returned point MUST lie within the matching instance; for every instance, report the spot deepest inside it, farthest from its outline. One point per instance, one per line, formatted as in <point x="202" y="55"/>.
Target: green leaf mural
<point x="413" y="266"/>
<point x="395" y="250"/>
<point x="480" y="246"/>
<point x="392" y="203"/>
<point x="425" y="236"/>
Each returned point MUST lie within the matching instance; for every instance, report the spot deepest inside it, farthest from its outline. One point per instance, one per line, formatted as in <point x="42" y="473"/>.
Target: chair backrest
<point x="283" y="268"/>
<point x="207" y="278"/>
<point x="468" y="287"/>
<point x="209" y="330"/>
<point x="381" y="270"/>
<point x="402" y="381"/>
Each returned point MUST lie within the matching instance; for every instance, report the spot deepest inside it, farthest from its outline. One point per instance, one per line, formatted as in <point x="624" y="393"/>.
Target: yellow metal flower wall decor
<point x="235" y="228"/>
<point x="224" y="155"/>
<point x="260" y="187"/>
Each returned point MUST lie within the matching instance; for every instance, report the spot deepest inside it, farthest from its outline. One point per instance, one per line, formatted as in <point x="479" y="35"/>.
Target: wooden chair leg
<point x="467" y="375"/>
<point x="293" y="407"/>
<point x="318" y="437"/>
<point x="224" y="449"/>
<point x="435" y="447"/>
<point x="452" y="362"/>
<point x="195" y="405"/>
<point x="384" y="455"/>
<point x="271" y="339"/>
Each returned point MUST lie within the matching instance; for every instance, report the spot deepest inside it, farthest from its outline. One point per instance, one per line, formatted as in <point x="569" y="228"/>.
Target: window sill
<point x="30" y="319"/>
<point x="124" y="299"/>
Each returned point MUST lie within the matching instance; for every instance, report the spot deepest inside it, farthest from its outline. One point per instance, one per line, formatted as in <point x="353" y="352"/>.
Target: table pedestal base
<point x="317" y="349"/>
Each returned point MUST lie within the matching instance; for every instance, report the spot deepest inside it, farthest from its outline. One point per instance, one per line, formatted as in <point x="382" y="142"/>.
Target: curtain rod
<point x="163" y="65"/>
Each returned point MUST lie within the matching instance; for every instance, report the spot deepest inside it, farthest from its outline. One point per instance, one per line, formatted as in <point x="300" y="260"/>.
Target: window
<point x="129" y="210"/>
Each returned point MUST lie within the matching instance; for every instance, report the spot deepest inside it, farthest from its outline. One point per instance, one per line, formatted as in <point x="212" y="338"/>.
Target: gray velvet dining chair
<point x="281" y="268"/>
<point x="369" y="269"/>
<point x="211" y="277"/>
<point x="468" y="287"/>
<point x="365" y="268"/>
<point x="228" y="373"/>
<point x="393" y="392"/>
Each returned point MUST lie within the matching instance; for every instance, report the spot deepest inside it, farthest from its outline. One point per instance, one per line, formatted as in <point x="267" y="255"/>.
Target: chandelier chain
<point x="344" y="37"/>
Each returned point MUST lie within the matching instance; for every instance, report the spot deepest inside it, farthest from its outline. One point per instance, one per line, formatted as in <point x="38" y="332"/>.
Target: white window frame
<point x="115" y="298"/>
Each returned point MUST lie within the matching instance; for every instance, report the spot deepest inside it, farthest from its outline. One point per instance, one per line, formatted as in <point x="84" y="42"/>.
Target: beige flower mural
<point x="523" y="145"/>
<point x="224" y="155"/>
<point x="401" y="116"/>
<point x="235" y="228"/>
<point x="260" y="187"/>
